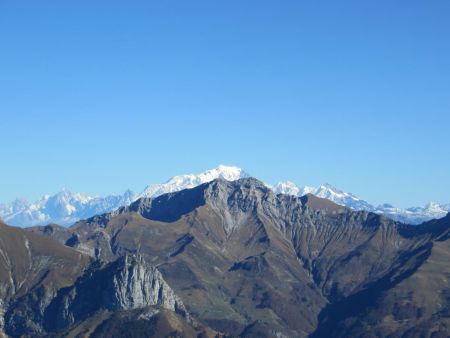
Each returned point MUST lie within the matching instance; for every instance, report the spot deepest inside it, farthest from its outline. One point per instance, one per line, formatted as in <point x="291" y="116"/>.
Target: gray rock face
<point x="2" y="320"/>
<point x="125" y="284"/>
<point x="135" y="284"/>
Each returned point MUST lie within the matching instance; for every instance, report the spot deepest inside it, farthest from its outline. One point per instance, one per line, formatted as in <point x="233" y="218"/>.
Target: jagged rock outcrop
<point x="128" y="283"/>
<point x="135" y="284"/>
<point x="125" y="284"/>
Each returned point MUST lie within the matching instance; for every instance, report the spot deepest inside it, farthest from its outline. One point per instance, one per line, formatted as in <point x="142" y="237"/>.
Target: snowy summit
<point x="181" y="182"/>
<point x="65" y="207"/>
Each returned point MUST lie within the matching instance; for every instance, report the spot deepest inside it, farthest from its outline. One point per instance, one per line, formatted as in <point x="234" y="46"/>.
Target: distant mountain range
<point x="413" y="215"/>
<point x="66" y="207"/>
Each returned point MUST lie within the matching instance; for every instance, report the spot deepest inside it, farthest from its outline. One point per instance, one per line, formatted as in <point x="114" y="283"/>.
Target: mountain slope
<point x="248" y="262"/>
<point x="48" y="288"/>
<point x="33" y="267"/>
<point x="413" y="300"/>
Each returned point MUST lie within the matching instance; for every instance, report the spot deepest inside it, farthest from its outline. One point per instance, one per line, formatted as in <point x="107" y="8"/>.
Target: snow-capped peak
<point x="433" y="206"/>
<point x="343" y="198"/>
<point x="228" y="173"/>
<point x="66" y="207"/>
<point x="287" y="188"/>
<point x="326" y="190"/>
<point x="181" y="182"/>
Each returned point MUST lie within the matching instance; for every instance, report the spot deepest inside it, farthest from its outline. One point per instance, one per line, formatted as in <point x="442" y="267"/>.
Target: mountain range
<point x="66" y="208"/>
<point x="227" y="259"/>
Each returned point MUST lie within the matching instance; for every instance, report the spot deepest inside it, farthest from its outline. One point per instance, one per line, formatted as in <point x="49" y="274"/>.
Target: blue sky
<point x="100" y="96"/>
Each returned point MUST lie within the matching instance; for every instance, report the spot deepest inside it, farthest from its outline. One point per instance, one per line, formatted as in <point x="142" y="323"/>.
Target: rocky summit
<point x="227" y="259"/>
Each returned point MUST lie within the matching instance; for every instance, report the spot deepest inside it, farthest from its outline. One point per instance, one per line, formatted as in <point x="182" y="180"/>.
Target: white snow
<point x="181" y="182"/>
<point x="66" y="207"/>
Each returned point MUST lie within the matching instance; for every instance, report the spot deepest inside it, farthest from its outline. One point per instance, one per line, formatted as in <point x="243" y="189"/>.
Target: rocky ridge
<point x="249" y="262"/>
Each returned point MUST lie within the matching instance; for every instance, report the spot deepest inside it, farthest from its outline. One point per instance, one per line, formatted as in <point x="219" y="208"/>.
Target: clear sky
<point x="101" y="96"/>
